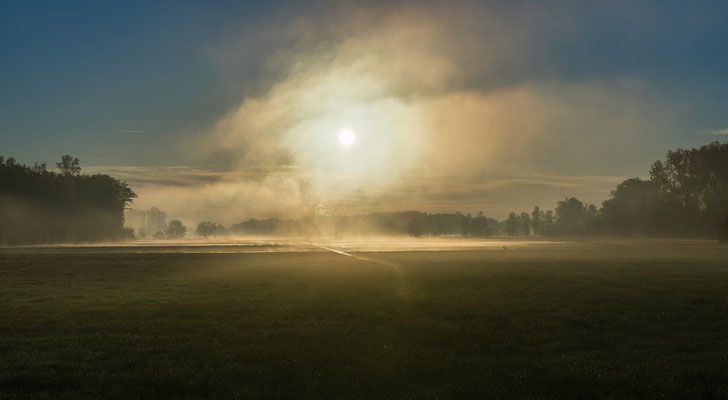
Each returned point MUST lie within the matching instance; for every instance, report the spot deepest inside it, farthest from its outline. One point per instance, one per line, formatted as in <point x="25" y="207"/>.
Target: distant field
<point x="586" y="319"/>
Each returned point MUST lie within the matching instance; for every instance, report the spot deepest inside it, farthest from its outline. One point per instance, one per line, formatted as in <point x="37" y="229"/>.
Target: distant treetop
<point x="69" y="166"/>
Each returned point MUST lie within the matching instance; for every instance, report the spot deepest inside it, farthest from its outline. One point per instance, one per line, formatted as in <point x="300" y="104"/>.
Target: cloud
<point x="127" y="131"/>
<point x="716" y="132"/>
<point x="421" y="88"/>
<point x="451" y="104"/>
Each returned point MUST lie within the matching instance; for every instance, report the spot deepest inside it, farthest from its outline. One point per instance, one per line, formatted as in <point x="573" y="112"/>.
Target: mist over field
<point x="685" y="197"/>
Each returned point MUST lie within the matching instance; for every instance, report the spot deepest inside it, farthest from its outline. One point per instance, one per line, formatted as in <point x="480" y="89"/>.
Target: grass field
<point x="589" y="319"/>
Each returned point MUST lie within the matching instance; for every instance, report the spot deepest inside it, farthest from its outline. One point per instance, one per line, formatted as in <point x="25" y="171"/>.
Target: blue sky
<point x="76" y="72"/>
<point x="146" y="84"/>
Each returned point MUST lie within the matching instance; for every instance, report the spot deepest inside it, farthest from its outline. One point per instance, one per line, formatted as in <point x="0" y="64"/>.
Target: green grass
<point x="586" y="320"/>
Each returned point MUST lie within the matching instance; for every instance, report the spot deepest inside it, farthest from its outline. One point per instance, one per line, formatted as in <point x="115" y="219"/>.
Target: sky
<point x="232" y="110"/>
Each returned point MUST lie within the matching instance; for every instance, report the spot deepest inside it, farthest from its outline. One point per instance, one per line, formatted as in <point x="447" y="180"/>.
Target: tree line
<point x="686" y="195"/>
<point x="153" y="224"/>
<point x="38" y="205"/>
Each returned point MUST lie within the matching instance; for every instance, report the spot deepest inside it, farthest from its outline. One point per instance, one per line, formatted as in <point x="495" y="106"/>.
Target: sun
<point x="346" y="137"/>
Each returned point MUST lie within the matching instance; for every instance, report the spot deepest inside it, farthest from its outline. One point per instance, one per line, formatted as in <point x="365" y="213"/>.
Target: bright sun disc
<point x="346" y="137"/>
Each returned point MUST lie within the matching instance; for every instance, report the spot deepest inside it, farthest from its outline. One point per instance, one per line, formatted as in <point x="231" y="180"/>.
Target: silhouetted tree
<point x="40" y="168"/>
<point x="575" y="218"/>
<point x="512" y="224"/>
<point x="547" y="223"/>
<point x="478" y="225"/>
<point x="176" y="230"/>
<point x="462" y="223"/>
<point x="41" y="206"/>
<point x="206" y="228"/>
<point x="69" y="166"/>
<point x="524" y="223"/>
<point x="692" y="188"/>
<point x="536" y="218"/>
<point x="633" y="207"/>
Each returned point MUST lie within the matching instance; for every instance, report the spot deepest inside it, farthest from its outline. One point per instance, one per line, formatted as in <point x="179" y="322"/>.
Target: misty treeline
<point x="685" y="196"/>
<point x="153" y="224"/>
<point x="38" y="205"/>
<point x="413" y="223"/>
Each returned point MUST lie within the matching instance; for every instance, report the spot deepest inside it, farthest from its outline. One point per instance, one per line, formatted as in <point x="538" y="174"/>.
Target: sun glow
<point x="346" y="137"/>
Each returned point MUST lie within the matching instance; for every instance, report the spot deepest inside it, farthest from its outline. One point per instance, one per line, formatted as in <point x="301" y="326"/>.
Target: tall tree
<point x="692" y="188"/>
<point x="575" y="218"/>
<point x="525" y="224"/>
<point x="512" y="224"/>
<point x="547" y="225"/>
<point x="69" y="166"/>
<point x="536" y="217"/>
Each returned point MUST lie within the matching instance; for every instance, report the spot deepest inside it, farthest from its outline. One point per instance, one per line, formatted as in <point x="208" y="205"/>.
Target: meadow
<point x="575" y="319"/>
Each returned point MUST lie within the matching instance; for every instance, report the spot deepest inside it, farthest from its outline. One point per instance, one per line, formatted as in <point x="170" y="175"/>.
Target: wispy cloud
<point x="716" y="132"/>
<point x="127" y="131"/>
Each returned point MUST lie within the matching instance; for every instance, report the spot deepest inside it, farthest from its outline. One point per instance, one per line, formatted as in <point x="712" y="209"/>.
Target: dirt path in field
<point x="367" y="259"/>
<point x="403" y="286"/>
